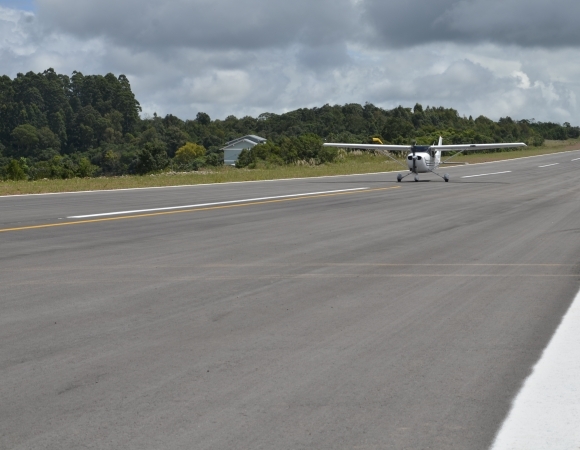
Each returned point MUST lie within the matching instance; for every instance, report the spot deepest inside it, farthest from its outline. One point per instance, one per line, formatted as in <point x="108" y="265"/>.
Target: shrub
<point x="245" y="158"/>
<point x="215" y="159"/>
<point x="85" y="168"/>
<point x="188" y="153"/>
<point x="14" y="171"/>
<point x="266" y="154"/>
<point x="327" y="154"/>
<point x="152" y="158"/>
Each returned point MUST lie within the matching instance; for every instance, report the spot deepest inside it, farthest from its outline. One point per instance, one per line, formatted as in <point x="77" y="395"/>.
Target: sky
<point x="517" y="58"/>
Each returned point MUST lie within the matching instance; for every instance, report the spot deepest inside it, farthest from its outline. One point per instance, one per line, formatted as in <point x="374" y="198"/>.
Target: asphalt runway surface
<point x="401" y="315"/>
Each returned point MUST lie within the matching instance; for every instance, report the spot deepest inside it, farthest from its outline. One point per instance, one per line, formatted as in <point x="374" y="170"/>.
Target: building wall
<point x="231" y="156"/>
<point x="231" y="153"/>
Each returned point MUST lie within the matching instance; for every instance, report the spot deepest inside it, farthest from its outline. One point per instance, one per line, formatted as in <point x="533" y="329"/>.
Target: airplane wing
<point x="468" y="147"/>
<point x="443" y="148"/>
<point x="400" y="148"/>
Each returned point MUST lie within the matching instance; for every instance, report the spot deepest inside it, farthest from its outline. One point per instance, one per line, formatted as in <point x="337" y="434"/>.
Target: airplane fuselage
<point x="423" y="160"/>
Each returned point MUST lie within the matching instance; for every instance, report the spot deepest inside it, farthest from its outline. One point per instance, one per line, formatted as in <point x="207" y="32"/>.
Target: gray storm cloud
<point x="209" y="24"/>
<point x="258" y="24"/>
<point x="526" y="23"/>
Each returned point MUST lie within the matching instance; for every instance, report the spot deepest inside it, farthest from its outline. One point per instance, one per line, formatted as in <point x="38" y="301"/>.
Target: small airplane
<point x="424" y="158"/>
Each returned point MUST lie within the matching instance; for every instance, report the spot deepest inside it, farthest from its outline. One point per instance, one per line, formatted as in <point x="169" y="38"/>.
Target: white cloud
<point x="523" y="79"/>
<point x="16" y="32"/>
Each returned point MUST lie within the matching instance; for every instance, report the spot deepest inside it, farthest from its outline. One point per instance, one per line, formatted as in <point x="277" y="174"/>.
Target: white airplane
<point x="425" y="158"/>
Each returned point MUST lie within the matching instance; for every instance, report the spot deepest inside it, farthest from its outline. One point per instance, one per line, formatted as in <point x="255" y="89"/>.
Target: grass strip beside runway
<point x="353" y="164"/>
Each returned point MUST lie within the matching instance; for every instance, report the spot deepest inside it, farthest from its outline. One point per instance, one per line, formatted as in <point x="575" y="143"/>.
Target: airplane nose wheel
<point x="399" y="177"/>
<point x="416" y="178"/>
<point x="446" y="178"/>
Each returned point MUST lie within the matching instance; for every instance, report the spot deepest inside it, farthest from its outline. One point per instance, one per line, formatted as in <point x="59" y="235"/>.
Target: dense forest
<point x="56" y="126"/>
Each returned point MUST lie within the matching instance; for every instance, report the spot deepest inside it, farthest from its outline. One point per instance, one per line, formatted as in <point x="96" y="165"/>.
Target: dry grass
<point x="357" y="163"/>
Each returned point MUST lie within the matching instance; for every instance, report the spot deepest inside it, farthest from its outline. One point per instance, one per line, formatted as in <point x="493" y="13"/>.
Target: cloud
<point x="323" y="56"/>
<point x="202" y="24"/>
<point x="24" y="46"/>
<point x="526" y="23"/>
<point x="17" y="31"/>
<point x="248" y="57"/>
<point x="475" y="90"/>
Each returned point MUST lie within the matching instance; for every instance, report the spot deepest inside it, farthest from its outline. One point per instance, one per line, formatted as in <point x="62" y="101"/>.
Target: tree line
<point x="56" y="126"/>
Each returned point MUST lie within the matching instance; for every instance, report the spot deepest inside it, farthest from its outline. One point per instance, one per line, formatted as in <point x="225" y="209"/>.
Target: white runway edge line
<point x="228" y="202"/>
<point x="546" y="412"/>
<point x="486" y="174"/>
<point x="548" y="165"/>
<point x="576" y="159"/>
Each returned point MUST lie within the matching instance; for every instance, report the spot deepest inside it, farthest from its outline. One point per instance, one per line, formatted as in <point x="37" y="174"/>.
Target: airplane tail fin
<point x="438" y="152"/>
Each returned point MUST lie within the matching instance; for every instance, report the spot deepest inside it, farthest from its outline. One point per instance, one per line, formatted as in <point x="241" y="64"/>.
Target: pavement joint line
<point x="549" y="165"/>
<point x="301" y="264"/>
<point x="200" y="205"/>
<point x="276" y="179"/>
<point x="291" y="277"/>
<point x="392" y="264"/>
<point x="162" y="213"/>
<point x="486" y="174"/>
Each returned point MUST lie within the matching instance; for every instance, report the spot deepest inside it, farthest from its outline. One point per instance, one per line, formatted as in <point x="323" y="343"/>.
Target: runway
<point x="328" y="313"/>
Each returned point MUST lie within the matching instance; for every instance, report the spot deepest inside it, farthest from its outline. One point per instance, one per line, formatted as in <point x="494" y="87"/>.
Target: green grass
<point x="363" y="163"/>
<point x="547" y="148"/>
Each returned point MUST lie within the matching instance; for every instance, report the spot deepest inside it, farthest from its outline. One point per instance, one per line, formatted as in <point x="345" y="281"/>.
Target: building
<point x="233" y="148"/>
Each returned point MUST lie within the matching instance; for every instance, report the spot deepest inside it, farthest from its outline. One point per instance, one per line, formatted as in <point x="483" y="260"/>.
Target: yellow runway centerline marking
<point x="180" y="211"/>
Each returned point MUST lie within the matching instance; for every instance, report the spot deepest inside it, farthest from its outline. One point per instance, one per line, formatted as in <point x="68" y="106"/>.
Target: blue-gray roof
<point x="249" y="137"/>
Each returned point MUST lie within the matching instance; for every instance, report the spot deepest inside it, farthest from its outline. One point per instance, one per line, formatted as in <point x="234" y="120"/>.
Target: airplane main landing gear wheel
<point x="416" y="178"/>
<point x="446" y="178"/>
<point x="399" y="177"/>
